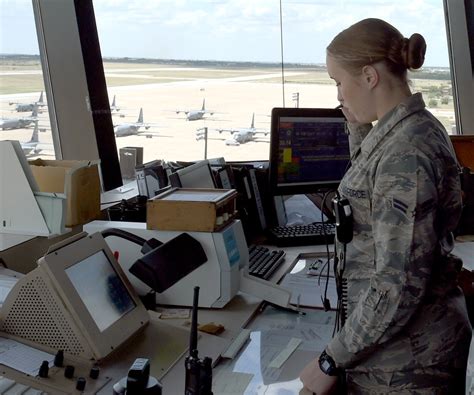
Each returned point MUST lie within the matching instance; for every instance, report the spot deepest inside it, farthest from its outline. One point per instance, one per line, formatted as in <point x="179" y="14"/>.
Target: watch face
<point x="325" y="365"/>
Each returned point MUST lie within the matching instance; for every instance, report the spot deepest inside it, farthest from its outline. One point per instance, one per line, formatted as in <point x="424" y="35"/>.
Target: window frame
<point x="459" y="19"/>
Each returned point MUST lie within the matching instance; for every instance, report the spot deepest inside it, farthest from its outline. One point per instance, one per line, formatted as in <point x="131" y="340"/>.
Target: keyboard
<point x="316" y="233"/>
<point x="263" y="262"/>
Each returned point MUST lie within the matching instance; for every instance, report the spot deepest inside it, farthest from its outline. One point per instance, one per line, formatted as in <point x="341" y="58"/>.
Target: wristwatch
<point x="327" y="364"/>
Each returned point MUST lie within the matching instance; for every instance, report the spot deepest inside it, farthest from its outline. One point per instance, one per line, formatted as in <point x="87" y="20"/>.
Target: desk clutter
<point x="42" y="197"/>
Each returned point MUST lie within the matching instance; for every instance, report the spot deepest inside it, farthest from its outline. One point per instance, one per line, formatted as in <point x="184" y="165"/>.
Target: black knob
<point x="59" y="358"/>
<point x="44" y="369"/>
<point x="69" y="371"/>
<point x="81" y="384"/>
<point x="94" y="373"/>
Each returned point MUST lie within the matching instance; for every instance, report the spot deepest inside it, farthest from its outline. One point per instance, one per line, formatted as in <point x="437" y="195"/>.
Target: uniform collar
<point x="410" y="105"/>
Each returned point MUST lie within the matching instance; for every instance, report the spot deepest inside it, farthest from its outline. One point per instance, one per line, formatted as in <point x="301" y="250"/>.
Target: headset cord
<point x="341" y="288"/>
<point x="325" y="300"/>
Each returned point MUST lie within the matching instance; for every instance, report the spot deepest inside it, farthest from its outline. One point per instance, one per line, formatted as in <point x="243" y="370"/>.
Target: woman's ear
<point x="370" y="76"/>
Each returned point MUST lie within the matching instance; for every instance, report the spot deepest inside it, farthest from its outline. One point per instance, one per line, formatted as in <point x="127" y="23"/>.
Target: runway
<point x="232" y="95"/>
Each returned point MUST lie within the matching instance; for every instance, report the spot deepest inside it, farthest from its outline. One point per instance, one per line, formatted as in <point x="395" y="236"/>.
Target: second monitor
<point x="309" y="150"/>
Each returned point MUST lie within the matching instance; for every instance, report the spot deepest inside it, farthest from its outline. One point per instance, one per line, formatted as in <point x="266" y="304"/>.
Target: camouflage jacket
<point x="404" y="309"/>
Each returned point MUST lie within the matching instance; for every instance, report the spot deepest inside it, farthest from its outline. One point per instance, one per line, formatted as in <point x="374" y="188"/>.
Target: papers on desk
<point x="8" y="279"/>
<point x="231" y="383"/>
<point x="280" y="345"/>
<point x="284" y="354"/>
<point x="308" y="290"/>
<point x="23" y="358"/>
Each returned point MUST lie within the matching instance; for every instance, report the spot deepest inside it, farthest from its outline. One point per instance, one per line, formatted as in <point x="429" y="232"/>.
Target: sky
<point x="232" y="30"/>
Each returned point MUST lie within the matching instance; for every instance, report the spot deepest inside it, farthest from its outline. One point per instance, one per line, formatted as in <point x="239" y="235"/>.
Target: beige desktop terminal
<point x="78" y="300"/>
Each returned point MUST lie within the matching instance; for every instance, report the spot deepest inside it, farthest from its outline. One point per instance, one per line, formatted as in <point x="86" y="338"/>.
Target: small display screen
<point x="198" y="175"/>
<point x="311" y="150"/>
<point x="100" y="289"/>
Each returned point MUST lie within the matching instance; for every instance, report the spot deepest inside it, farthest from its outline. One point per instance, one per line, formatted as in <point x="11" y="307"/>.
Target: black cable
<point x="124" y="235"/>
<point x="325" y="300"/>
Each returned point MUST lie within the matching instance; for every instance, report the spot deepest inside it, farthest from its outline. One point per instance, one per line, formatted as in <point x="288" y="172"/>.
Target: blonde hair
<point x="373" y="40"/>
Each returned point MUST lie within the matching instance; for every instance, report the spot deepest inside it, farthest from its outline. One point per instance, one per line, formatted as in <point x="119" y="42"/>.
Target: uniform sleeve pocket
<point x="374" y="310"/>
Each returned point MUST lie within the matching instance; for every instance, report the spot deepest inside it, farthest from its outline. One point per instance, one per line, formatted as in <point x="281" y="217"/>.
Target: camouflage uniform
<point x="407" y="329"/>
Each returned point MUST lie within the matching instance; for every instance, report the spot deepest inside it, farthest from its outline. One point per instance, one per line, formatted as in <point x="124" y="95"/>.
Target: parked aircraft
<point x="243" y="135"/>
<point x="31" y="147"/>
<point x="114" y="109"/>
<point x="133" y="129"/>
<point x="19" y="123"/>
<point x="194" y="115"/>
<point x="25" y="107"/>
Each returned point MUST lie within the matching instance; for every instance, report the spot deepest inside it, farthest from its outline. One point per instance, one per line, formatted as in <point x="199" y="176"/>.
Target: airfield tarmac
<point x="232" y="96"/>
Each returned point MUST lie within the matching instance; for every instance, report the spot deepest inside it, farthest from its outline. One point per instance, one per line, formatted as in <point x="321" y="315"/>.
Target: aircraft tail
<point x="35" y="136"/>
<point x="140" y="117"/>
<point x="40" y="100"/>
<point x="113" y="102"/>
<point x="253" y="121"/>
<point x="203" y="105"/>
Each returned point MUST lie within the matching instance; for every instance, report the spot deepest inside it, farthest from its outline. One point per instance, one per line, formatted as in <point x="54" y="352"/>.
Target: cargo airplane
<point x="243" y="135"/>
<point x="25" y="107"/>
<point x="194" y="115"/>
<point x="31" y="147"/>
<point x="133" y="128"/>
<point x="19" y="123"/>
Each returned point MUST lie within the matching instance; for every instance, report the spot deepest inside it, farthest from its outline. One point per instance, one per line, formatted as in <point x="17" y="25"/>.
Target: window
<point x="21" y="82"/>
<point x="172" y="58"/>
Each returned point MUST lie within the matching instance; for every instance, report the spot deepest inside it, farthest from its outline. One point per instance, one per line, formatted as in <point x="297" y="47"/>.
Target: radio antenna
<point x="194" y="323"/>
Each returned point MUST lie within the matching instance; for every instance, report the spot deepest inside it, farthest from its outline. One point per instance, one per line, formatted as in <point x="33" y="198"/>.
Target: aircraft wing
<point x="149" y="135"/>
<point x="231" y="131"/>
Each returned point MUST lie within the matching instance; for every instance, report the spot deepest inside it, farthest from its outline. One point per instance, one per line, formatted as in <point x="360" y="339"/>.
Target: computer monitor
<point x="309" y="150"/>
<point x="87" y="306"/>
<point x="197" y="175"/>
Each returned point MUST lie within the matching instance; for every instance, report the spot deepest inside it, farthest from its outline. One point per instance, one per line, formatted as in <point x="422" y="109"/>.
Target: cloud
<point x="235" y="30"/>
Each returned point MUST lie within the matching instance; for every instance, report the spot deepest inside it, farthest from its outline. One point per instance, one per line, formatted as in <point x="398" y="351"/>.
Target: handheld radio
<point x="198" y="372"/>
<point x="344" y="220"/>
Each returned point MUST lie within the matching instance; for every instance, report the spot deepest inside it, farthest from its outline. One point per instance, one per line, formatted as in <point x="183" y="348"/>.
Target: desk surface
<point x="8" y="240"/>
<point x="271" y="331"/>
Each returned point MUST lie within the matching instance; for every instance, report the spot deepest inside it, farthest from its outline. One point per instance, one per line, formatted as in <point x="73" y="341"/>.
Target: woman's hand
<point x="316" y="381"/>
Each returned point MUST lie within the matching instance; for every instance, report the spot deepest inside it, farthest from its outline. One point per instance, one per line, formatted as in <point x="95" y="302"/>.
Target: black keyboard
<point x="317" y="233"/>
<point x="263" y="262"/>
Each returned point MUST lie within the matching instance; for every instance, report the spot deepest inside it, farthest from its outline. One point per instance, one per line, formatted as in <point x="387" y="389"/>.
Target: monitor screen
<point x="92" y="286"/>
<point x="309" y="150"/>
<point x="197" y="175"/>
<point x="106" y="297"/>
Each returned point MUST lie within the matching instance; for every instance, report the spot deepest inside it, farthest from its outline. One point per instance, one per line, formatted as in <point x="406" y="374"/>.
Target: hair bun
<point x="415" y="48"/>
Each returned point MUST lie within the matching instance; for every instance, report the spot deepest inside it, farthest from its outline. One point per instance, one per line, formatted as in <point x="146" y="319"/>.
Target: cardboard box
<point x="78" y="180"/>
<point x="187" y="209"/>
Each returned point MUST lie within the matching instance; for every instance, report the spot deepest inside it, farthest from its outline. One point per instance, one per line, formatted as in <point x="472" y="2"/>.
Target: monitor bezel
<point x="277" y="113"/>
<point x="55" y="265"/>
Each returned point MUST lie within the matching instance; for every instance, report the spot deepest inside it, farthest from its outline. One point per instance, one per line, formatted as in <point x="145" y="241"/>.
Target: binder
<point x="249" y="202"/>
<point x="224" y="177"/>
<point x="151" y="178"/>
<point x="257" y="199"/>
